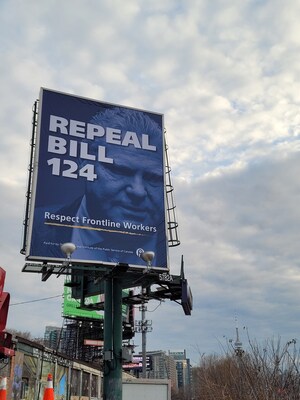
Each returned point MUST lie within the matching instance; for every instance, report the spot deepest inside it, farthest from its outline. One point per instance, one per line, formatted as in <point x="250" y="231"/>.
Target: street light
<point x="68" y="249"/>
<point x="148" y="257"/>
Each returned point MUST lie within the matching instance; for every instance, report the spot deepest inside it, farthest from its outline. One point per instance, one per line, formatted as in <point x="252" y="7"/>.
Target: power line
<point x="34" y="301"/>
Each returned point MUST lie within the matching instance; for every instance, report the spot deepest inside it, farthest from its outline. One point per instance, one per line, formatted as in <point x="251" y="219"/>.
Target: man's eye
<point x="152" y="177"/>
<point x="119" y="170"/>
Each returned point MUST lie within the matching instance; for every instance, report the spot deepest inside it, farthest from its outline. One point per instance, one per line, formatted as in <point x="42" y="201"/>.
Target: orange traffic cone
<point x="3" y="384"/>
<point x="49" y="392"/>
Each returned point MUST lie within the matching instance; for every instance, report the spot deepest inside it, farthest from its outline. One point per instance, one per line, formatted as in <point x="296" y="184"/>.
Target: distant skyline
<point x="225" y="75"/>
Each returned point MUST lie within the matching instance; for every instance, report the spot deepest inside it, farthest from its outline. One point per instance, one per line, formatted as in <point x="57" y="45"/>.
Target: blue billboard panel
<point x="98" y="182"/>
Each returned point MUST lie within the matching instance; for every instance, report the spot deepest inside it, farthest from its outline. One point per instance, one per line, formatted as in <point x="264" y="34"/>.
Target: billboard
<point x="137" y="363"/>
<point x="98" y="182"/>
<point x="71" y="306"/>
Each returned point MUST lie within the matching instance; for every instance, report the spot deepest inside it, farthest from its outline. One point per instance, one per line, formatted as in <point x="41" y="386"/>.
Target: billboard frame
<point x="33" y="189"/>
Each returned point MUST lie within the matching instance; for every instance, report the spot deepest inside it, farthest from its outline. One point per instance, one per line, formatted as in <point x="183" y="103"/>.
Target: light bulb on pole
<point x="148" y="257"/>
<point x="68" y="249"/>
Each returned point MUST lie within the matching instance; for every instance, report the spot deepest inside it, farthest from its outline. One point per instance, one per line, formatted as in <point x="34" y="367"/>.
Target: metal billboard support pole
<point x="112" y="352"/>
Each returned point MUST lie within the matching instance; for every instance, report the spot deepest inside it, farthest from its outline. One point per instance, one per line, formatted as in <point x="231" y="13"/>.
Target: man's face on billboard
<point x="130" y="189"/>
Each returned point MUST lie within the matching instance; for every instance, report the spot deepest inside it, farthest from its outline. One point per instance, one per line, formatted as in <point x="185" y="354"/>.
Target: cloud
<point x="243" y="251"/>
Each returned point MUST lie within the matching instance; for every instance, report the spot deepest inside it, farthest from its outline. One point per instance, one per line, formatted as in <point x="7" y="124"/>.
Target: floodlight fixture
<point x="68" y="249"/>
<point x="147" y="256"/>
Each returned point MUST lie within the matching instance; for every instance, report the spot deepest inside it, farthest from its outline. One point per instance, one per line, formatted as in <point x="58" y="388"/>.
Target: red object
<point x="4" y="305"/>
<point x="6" y="352"/>
<point x="5" y="337"/>
<point x="3" y="384"/>
<point x="49" y="392"/>
<point x="2" y="279"/>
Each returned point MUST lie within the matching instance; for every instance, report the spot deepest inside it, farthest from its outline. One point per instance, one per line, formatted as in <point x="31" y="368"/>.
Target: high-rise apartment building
<point x="52" y="337"/>
<point x="183" y="368"/>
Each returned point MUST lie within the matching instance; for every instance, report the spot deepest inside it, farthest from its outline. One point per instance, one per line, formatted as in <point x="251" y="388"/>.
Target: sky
<point x="224" y="74"/>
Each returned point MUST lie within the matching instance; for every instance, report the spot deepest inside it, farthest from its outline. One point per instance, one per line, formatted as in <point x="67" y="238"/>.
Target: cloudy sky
<point x="225" y="75"/>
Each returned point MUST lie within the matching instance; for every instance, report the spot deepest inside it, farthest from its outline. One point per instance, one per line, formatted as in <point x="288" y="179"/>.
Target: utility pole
<point x="147" y="256"/>
<point x="144" y="326"/>
<point x="144" y="339"/>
